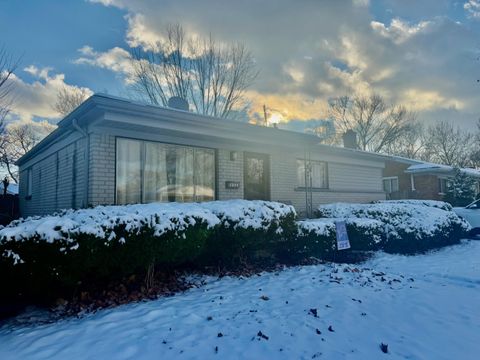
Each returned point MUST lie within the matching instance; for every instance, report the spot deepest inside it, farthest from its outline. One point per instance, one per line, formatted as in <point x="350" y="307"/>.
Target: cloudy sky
<point x="424" y="54"/>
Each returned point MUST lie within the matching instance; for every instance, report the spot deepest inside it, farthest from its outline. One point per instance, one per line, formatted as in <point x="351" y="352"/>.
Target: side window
<point x="390" y="184"/>
<point x="442" y="186"/>
<point x="29" y="183"/>
<point x="318" y="172"/>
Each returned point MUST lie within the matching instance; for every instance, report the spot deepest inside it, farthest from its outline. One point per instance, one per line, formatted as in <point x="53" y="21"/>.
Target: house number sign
<point x="232" y="184"/>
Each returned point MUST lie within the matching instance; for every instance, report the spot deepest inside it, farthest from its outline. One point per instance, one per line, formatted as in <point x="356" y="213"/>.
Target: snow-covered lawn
<point x="423" y="307"/>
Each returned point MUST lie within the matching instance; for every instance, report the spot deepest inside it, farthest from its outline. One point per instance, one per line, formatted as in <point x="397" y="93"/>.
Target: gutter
<point x="87" y="159"/>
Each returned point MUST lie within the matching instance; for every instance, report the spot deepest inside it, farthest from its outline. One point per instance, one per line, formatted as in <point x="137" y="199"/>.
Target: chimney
<point x="350" y="139"/>
<point x="179" y="103"/>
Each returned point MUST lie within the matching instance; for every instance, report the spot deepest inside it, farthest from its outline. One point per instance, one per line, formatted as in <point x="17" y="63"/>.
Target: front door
<point x="256" y="176"/>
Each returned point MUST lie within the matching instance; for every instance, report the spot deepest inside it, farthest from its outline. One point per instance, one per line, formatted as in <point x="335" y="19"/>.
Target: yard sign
<point x="342" y="237"/>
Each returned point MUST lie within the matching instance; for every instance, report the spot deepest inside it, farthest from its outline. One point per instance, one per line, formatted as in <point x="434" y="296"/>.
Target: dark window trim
<point x="390" y="179"/>
<point x="142" y="149"/>
<point x="29" y="171"/>
<point x="268" y="186"/>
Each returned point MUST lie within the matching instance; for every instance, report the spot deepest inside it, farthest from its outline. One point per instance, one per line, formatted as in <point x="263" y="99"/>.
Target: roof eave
<point x="62" y="127"/>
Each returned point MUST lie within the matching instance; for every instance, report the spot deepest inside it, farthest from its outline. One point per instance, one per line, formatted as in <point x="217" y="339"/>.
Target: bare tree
<point x="324" y="130"/>
<point x="475" y="155"/>
<point x="68" y="99"/>
<point x="411" y="144"/>
<point x="17" y="139"/>
<point x="211" y="77"/>
<point x="450" y="145"/>
<point x="8" y="65"/>
<point x="376" y="123"/>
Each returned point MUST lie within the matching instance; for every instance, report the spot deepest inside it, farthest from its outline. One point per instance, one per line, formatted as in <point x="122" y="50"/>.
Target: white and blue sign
<point x="342" y="237"/>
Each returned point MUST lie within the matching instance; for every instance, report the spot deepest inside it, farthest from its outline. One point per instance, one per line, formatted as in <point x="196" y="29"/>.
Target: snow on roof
<point x="432" y="167"/>
<point x="403" y="159"/>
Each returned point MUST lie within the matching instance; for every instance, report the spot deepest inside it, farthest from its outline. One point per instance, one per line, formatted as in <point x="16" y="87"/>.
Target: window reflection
<point x="318" y="172"/>
<point x="156" y="172"/>
<point x="128" y="171"/>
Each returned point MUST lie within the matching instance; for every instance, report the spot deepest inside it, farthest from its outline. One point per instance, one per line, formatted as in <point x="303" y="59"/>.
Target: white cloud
<point x="361" y="3"/>
<point x="420" y="100"/>
<point x="108" y="2"/>
<point x="473" y="8"/>
<point x="399" y="31"/>
<point x="116" y="59"/>
<point x="37" y="98"/>
<point x="295" y="73"/>
<point x="315" y="50"/>
<point x="139" y="34"/>
<point x="31" y="69"/>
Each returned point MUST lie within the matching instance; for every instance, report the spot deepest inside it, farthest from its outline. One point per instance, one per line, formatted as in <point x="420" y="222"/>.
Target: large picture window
<point x="319" y="174"/>
<point x="156" y="172"/>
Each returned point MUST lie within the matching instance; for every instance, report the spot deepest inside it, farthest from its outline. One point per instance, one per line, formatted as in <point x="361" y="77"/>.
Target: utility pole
<point x="265" y="117"/>
<point x="308" y="183"/>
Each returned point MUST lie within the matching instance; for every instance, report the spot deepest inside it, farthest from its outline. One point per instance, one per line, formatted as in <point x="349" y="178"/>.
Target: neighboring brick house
<point x="114" y="151"/>
<point x="414" y="179"/>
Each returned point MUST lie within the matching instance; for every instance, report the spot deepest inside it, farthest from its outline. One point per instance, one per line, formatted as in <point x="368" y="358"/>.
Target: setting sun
<point x="275" y="118"/>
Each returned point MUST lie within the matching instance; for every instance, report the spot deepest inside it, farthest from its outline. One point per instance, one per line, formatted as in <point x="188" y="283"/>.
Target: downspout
<point x="308" y="182"/>
<point x="87" y="159"/>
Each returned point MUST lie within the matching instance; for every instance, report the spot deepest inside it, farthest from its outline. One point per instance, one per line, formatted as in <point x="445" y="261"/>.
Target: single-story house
<point x="115" y="151"/>
<point x="405" y="178"/>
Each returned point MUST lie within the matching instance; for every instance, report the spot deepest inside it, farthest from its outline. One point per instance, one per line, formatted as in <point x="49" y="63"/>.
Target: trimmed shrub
<point x="249" y="231"/>
<point x="409" y="228"/>
<point x="430" y="203"/>
<point x="53" y="255"/>
<point x="317" y="238"/>
<point x="43" y="258"/>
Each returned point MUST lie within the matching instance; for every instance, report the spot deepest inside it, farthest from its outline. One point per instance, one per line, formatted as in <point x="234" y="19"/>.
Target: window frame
<point x="314" y="188"/>
<point x="143" y="143"/>
<point x="390" y="179"/>
<point x="29" y="191"/>
<point x="440" y="179"/>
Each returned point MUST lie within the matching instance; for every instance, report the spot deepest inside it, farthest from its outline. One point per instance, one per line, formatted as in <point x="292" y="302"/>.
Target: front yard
<point x="422" y="307"/>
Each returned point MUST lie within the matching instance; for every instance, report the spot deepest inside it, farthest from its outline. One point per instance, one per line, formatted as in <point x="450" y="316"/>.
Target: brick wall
<point x="395" y="168"/>
<point x="101" y="190"/>
<point x="62" y="176"/>
<point x="229" y="170"/>
<point x="426" y="188"/>
<point x="57" y="181"/>
<point x="102" y="171"/>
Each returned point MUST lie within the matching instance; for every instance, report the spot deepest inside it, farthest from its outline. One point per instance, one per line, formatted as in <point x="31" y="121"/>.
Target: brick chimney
<point x="350" y="139"/>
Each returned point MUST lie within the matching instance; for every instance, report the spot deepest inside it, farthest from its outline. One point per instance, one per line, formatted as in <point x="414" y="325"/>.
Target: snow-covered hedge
<point x="248" y="232"/>
<point x="162" y="218"/>
<point x="431" y="203"/>
<point x="250" y="214"/>
<point x="109" y="242"/>
<point x="317" y="237"/>
<point x="61" y="254"/>
<point x="326" y="227"/>
<point x="409" y="226"/>
<point x="102" y="221"/>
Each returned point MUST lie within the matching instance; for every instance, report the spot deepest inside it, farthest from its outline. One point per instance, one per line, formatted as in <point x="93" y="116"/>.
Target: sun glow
<point x="275" y="118"/>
